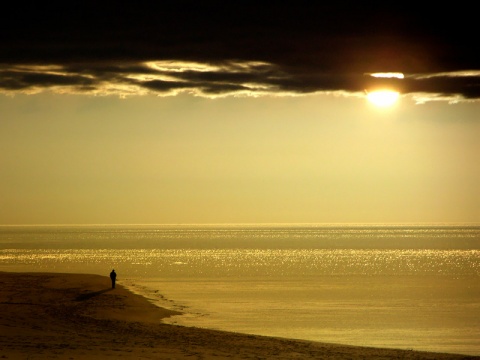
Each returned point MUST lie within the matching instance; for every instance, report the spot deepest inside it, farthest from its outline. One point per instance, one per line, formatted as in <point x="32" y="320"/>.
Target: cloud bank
<point x="218" y="48"/>
<point x="228" y="78"/>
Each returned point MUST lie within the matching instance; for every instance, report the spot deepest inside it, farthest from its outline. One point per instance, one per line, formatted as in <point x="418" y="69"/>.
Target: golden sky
<point x="254" y="112"/>
<point x="70" y="159"/>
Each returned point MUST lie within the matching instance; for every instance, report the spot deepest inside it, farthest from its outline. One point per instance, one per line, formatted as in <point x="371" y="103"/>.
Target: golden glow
<point x="388" y="75"/>
<point x="383" y="98"/>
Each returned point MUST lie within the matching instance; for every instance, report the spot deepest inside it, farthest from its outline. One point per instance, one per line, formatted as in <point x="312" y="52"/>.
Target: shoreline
<point x="78" y="316"/>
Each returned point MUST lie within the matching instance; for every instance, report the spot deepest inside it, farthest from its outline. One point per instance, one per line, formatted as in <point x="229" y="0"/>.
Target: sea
<point x="404" y="286"/>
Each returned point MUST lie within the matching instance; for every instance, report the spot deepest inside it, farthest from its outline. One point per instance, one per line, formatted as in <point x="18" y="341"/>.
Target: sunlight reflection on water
<point x="249" y="262"/>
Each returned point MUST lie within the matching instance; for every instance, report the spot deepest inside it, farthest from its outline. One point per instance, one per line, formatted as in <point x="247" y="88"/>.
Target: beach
<point x="79" y="316"/>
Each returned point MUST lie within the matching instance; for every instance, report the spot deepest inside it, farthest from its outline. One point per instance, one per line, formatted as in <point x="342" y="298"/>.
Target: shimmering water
<point x="412" y="287"/>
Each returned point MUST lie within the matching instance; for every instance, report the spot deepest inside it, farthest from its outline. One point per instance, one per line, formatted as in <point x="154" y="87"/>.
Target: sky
<point x="207" y="112"/>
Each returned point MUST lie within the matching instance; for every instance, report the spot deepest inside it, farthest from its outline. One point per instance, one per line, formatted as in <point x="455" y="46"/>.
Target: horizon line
<point x="255" y="224"/>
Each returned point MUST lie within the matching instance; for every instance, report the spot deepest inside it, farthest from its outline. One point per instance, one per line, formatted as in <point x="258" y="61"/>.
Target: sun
<point x="383" y="98"/>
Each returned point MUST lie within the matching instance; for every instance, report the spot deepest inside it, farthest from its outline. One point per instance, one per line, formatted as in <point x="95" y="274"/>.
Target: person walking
<point x="113" y="277"/>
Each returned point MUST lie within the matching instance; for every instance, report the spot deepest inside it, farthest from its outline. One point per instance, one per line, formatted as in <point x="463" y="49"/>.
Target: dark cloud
<point x="18" y="80"/>
<point x="255" y="47"/>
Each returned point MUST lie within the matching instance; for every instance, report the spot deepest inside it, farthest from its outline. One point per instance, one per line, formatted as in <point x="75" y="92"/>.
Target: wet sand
<point x="79" y="316"/>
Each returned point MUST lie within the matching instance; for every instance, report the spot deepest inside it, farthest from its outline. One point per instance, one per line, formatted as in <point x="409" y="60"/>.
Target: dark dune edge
<point x="78" y="316"/>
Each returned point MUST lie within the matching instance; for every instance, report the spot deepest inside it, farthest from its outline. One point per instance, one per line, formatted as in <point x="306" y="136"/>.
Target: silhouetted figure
<point x="113" y="276"/>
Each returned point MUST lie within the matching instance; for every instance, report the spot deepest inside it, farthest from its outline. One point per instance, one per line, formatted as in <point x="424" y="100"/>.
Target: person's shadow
<point x="83" y="297"/>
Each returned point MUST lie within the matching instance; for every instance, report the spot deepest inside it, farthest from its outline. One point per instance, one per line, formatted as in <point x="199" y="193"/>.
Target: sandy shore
<point x="78" y="316"/>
